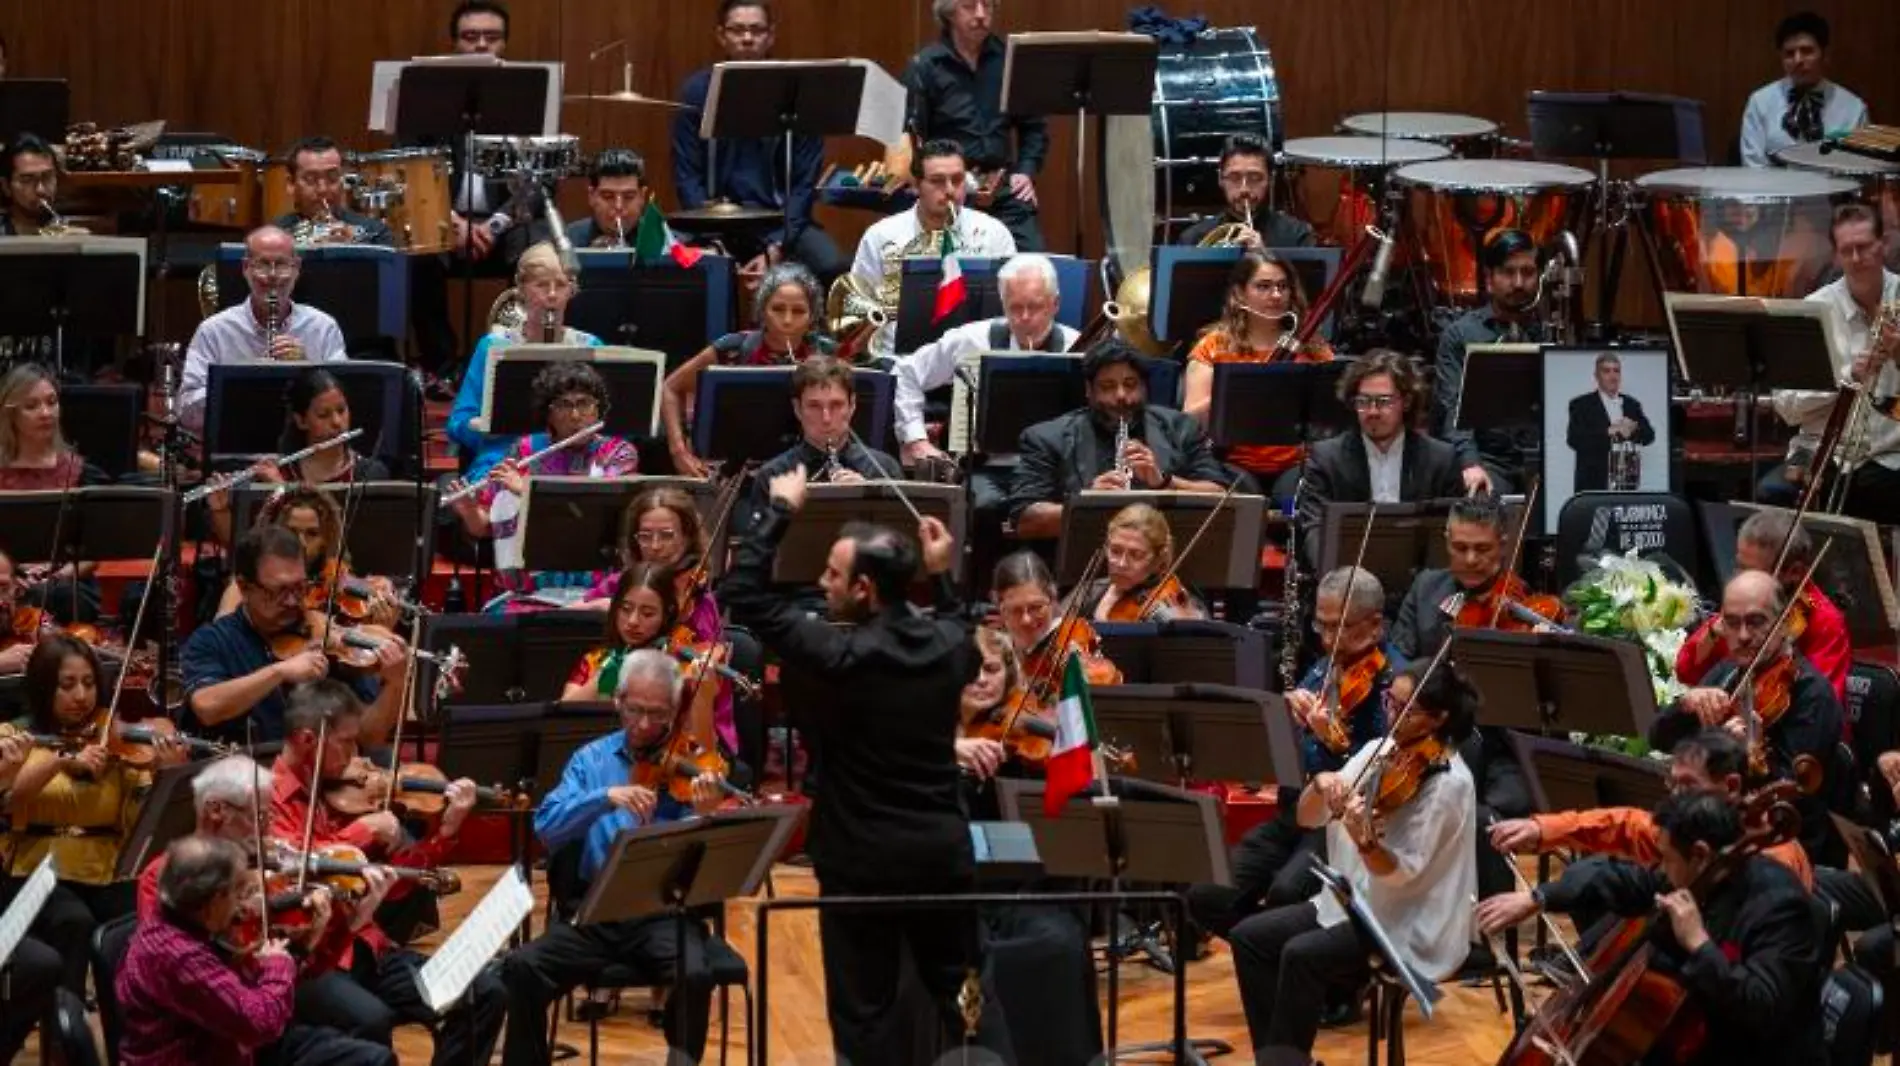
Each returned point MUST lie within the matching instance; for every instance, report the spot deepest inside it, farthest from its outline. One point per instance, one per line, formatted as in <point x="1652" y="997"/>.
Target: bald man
<point x="266" y="326"/>
<point x="1810" y="726"/>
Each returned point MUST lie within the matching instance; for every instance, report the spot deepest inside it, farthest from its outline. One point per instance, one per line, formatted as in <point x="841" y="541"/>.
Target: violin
<point x="358" y="600"/>
<point x="691" y="652"/>
<point x="1025" y="721"/>
<point x="673" y="768"/>
<point x="1163" y="601"/>
<point x="1508" y="606"/>
<point x="1404" y="769"/>
<point x="420" y="791"/>
<point x="1350" y="687"/>
<point x="135" y="746"/>
<point x="355" y="647"/>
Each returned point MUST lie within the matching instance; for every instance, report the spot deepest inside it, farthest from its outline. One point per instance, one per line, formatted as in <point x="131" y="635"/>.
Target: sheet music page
<point x="25" y="907"/>
<point x="444" y="978"/>
<point x="882" y="104"/>
<point x="962" y="400"/>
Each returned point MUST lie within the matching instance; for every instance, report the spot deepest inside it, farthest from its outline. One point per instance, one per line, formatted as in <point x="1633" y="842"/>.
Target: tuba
<point x="1128" y="311"/>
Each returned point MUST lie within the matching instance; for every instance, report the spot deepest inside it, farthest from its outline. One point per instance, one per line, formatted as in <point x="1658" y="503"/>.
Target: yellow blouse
<point x="110" y="803"/>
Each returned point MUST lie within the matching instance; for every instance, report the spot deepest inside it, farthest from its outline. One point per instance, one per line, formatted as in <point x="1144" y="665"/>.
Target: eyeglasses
<point x="286" y="594"/>
<point x="579" y="405"/>
<point x="1737" y="623"/>
<point x="646" y="711"/>
<point x="271" y="270"/>
<point x="1130" y="557"/>
<point x="1363" y="402"/>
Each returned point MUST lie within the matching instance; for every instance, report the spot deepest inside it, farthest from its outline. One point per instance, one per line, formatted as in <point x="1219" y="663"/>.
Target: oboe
<point x="270" y="323"/>
<point x="1122" y="468"/>
<point x="473" y="487"/>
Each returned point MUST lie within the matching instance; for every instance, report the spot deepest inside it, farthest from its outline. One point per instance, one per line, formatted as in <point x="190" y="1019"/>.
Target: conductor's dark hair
<point x="1248" y="144"/>
<point x="727" y="7"/>
<point x="264" y="542"/>
<point x="196" y="869"/>
<point x="41" y="682"/>
<point x="308" y="144"/>
<point x="1484" y="511"/>
<point x="1799" y="23"/>
<point x="562" y="378"/>
<point x="1449" y="692"/>
<point x="654" y="578"/>
<point x="1720" y="752"/>
<point x="1404" y="374"/>
<point x="1850" y="213"/>
<point x="315" y="702"/>
<point x="1705" y="816"/>
<point x="1022" y="568"/>
<point x="303" y="391"/>
<point x="617" y="163"/>
<point x="477" y="7"/>
<point x="1112" y="352"/>
<point x="882" y="556"/>
<point x="1504" y="244"/>
<point x="936" y="148"/>
<point x="24" y="144"/>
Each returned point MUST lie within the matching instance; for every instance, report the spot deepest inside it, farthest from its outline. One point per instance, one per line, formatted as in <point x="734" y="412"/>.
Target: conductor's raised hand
<point x="789" y="488"/>
<point x="939" y="547"/>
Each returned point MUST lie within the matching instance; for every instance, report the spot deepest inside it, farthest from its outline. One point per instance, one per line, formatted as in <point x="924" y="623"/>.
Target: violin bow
<point x="402" y="714"/>
<point x="884" y="475"/>
<point x="1148" y="601"/>
<point x="258" y="799"/>
<point x="138" y="620"/>
<point x="1339" y="627"/>
<point x="1744" y="679"/>
<point x="1392" y="727"/>
<point x="727" y="500"/>
<point x="310" y="809"/>
<point x="1524" y="885"/>
<point x="1517" y="550"/>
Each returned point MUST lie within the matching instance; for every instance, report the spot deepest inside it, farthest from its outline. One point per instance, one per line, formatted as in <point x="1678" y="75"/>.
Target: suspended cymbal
<point x="625" y="96"/>
<point x="724" y="212"/>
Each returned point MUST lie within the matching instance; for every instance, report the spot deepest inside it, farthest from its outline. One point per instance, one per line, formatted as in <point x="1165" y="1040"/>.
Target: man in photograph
<point x="1601" y="418"/>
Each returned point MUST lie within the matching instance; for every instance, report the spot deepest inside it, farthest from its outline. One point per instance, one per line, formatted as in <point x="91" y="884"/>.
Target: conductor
<point x="886" y="820"/>
<point x="1600" y="418"/>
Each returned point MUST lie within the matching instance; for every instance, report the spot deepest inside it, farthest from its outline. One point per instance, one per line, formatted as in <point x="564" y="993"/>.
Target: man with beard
<point x="1491" y="458"/>
<point x="1245" y="176"/>
<point x="1166" y="451"/>
<point x="886" y="820"/>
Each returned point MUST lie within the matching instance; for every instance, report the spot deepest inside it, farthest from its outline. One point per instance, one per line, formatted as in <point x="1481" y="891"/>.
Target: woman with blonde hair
<point x="1137" y="552"/>
<point x="34" y="454"/>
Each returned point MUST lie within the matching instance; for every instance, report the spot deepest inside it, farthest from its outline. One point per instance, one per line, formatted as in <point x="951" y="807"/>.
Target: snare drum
<point x="558" y="156"/>
<point x="1878" y="179"/>
<point x="1337" y="183"/>
<point x="236" y="205"/>
<point x="1467" y="136"/>
<point x="1704" y="223"/>
<point x="408" y="189"/>
<point x="1454" y="205"/>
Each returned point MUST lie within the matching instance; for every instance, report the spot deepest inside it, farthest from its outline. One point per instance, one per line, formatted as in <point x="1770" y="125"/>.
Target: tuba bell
<point x="509" y="312"/>
<point x="1128" y="311"/>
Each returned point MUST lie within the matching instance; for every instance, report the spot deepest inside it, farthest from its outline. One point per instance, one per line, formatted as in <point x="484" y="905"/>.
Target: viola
<point x="355" y="647"/>
<point x="420" y="791"/>
<point x="676" y="764"/>
<point x="1152" y="601"/>
<point x="1352" y="686"/>
<point x="359" y="600"/>
<point x="1508" y="606"/>
<point x="340" y="868"/>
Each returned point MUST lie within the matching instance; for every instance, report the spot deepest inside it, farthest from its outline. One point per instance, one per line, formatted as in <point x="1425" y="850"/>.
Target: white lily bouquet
<point x="1627" y="597"/>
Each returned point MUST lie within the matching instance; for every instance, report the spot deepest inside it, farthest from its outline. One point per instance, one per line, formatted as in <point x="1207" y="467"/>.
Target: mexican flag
<point x="653" y="238"/>
<point x="1073" y="762"/>
<point x="951" y="290"/>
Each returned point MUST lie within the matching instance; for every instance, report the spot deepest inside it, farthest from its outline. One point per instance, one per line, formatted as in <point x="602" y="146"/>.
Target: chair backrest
<point x="109" y="944"/>
<point x="72" y="1034"/>
<point x="1851" y="1008"/>
<point x="1593" y="524"/>
<point x="1873" y="710"/>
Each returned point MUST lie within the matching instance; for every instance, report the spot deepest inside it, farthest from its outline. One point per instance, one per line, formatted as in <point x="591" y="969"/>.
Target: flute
<point x="245" y="476"/>
<point x="473" y="487"/>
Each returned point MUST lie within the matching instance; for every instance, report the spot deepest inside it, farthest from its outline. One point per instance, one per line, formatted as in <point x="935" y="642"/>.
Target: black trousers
<point x="1874" y="494"/>
<point x="27" y="985"/>
<point x="1019" y="217"/>
<point x="1272" y="867"/>
<point x="864" y="957"/>
<point x="319" y="1045"/>
<point x="1044" y="975"/>
<point x="1285" y="964"/>
<point x="71" y="914"/>
<point x="1859" y="908"/>
<point x="376" y="995"/>
<point x="567" y="955"/>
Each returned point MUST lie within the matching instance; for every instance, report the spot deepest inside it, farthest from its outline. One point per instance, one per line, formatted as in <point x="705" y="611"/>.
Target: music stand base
<point x="1199" y="1049"/>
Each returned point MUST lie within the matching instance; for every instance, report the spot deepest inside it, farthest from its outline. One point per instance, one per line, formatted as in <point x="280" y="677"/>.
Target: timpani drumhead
<point x="1362" y="151"/>
<point x="1418" y="125"/>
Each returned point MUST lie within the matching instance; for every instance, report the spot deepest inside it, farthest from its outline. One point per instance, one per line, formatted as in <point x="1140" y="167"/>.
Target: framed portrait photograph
<point x="1606" y="423"/>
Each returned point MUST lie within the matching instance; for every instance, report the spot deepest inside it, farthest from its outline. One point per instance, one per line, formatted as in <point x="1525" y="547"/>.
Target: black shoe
<point x="1340" y="1015"/>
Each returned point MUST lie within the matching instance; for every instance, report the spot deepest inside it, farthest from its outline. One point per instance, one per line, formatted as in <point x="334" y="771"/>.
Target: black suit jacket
<point x="1588" y="434"/>
<point x="1338" y="472"/>
<point x="1062" y="456"/>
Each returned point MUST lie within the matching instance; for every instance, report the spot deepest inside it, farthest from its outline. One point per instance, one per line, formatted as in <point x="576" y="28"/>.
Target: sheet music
<point x="963" y="402"/>
<point x="25" y="908"/>
<point x="444" y="978"/>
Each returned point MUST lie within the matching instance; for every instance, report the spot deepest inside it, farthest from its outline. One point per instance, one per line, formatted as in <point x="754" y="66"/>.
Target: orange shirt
<point x="1630" y="833"/>
<point x="1215" y="347"/>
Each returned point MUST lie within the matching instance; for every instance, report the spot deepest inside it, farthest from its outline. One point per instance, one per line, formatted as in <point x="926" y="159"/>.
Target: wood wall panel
<point x="267" y="71"/>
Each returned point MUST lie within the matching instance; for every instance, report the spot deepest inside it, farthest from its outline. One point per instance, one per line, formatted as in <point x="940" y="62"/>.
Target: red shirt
<point x="1824" y="642"/>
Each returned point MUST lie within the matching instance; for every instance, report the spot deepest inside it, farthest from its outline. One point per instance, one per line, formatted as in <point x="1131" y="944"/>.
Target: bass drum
<point x="1737" y="231"/>
<point x="1454" y="205"/>
<point x="1878" y="179"/>
<point x="1219" y="84"/>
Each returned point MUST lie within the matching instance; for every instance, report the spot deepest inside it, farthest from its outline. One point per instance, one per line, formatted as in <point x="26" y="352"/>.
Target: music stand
<point x="1228" y="556"/>
<point x="494" y="745"/>
<point x="1566" y="776"/>
<point x="1615" y="125"/>
<point x="1559" y="683"/>
<point x="1080" y="74"/>
<point x="921" y="277"/>
<point x="1406" y="538"/>
<point x="550" y="643"/>
<point x="1188" y="651"/>
<point x="1424" y="993"/>
<point x="244" y="407"/>
<point x="1198" y="732"/>
<point x="657" y="304"/>
<point x="82" y="287"/>
<point x="386" y="519"/>
<point x="492" y="675"/>
<point x="1190" y="285"/>
<point x="100" y="523"/>
<point x="1855" y="574"/>
<point x="573" y="523"/>
<point x="364" y="287"/>
<point x="102" y="424"/>
<point x="34" y="105"/>
<point x="1015" y="390"/>
<point x="1512" y="396"/>
<point x="167" y="814"/>
<point x="565" y="729"/>
<point x="1142" y="831"/>
<point x="802" y="554"/>
<point x="744" y="413"/>
<point x="634" y="378"/>
<point x="1277" y="403"/>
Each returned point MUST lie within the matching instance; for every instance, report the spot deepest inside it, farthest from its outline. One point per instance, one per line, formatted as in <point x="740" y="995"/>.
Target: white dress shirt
<point x="1425" y="904"/>
<point x="1853" y="333"/>
<point x="234" y="335"/>
<point x="1612" y="405"/>
<point x="1762" y="135"/>
<point x="977" y="236"/>
<point x="1387" y="468"/>
<point x="935" y="365"/>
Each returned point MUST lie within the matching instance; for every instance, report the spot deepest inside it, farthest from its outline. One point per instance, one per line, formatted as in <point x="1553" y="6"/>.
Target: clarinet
<point x="1292" y="626"/>
<point x="168" y="585"/>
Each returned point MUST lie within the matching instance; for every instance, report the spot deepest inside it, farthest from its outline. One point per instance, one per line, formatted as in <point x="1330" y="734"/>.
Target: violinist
<point x="36" y="457"/>
<point x="1265" y="304"/>
<point x="1409" y="862"/>
<point x="1271" y="866"/>
<point x="1749" y="949"/>
<point x="74" y="799"/>
<point x="1025" y="595"/>
<point x="29" y="979"/>
<point x="20" y="625"/>
<point x="231" y="670"/>
<point x="1139" y="551"/>
<point x="357" y="981"/>
<point x="597" y="798"/>
<point x="312" y="514"/>
<point x="567" y="398"/>
<point x="1794" y="711"/>
<point x="1818" y="628"/>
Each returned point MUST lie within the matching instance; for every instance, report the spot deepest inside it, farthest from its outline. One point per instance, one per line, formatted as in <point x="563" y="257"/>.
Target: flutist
<point x="268" y="325"/>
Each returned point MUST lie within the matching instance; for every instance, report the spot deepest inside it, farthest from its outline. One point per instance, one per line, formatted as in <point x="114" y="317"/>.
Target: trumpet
<point x="474" y="487"/>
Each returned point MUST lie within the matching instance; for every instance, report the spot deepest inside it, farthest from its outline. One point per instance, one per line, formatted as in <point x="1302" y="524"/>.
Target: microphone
<point x="1373" y="297"/>
<point x="1289" y="324"/>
